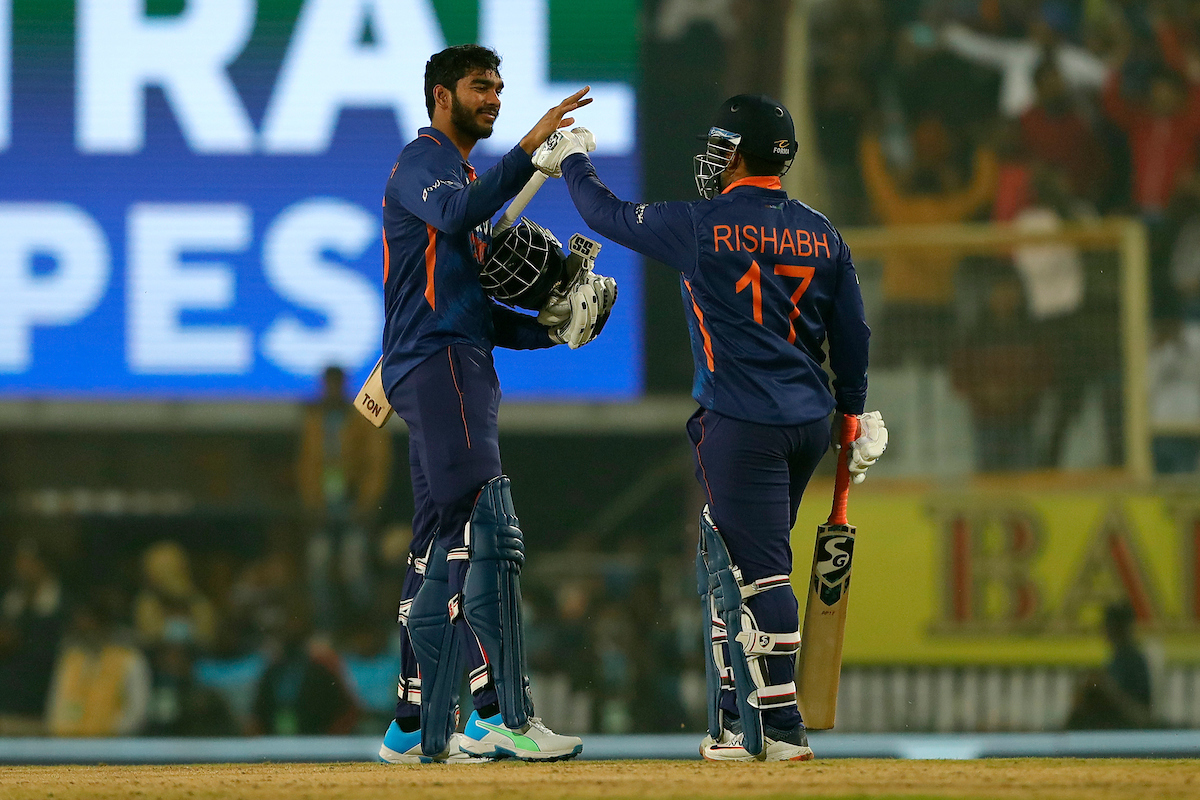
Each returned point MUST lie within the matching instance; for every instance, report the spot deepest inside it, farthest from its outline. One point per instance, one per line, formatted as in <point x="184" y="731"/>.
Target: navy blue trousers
<point x="451" y="404"/>
<point x="753" y="478"/>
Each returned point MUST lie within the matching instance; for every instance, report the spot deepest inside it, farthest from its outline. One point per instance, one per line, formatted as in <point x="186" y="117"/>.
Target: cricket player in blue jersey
<point x="767" y="282"/>
<point x="461" y="602"/>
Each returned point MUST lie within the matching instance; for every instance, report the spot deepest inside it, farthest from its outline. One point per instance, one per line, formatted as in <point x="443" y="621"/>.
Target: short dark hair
<point x="761" y="166"/>
<point x="453" y="64"/>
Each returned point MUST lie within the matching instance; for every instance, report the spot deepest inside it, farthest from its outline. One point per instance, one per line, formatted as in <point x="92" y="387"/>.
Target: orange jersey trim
<point x="430" y="262"/>
<point x="462" y="406"/>
<point x="708" y="351"/>
<point x="427" y="136"/>
<point x="387" y="258"/>
<point x="761" y="181"/>
<point x="700" y="461"/>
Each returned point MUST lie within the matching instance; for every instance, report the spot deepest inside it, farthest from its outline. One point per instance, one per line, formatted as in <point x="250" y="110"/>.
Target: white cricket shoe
<point x="535" y="742"/>
<point x="730" y="727"/>
<point x="777" y="746"/>
<point x="400" y="747"/>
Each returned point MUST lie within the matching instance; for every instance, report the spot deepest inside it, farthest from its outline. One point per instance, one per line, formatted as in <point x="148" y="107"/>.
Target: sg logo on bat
<point x="835" y="552"/>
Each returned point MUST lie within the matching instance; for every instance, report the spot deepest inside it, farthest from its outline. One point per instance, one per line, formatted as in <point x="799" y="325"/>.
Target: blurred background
<point x="199" y="536"/>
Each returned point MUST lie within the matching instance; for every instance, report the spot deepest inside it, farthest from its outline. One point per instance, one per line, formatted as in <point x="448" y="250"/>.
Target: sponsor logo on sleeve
<point x="428" y="189"/>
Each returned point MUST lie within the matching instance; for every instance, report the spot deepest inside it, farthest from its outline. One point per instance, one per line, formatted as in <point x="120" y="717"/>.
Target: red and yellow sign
<point x="1008" y="575"/>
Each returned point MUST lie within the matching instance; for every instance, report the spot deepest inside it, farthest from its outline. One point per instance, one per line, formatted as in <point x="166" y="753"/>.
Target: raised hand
<point x="554" y="119"/>
<point x="550" y="154"/>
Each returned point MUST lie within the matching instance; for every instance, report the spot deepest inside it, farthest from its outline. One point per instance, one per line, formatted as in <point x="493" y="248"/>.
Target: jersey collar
<point x="761" y="181"/>
<point x="431" y="132"/>
<point x="444" y="140"/>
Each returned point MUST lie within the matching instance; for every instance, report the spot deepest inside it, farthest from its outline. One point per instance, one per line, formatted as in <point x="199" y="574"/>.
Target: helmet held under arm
<point x="524" y="266"/>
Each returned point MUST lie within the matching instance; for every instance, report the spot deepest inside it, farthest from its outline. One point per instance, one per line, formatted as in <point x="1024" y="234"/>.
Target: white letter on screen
<point x="5" y="74"/>
<point x="327" y="68"/>
<point x="159" y="286"/>
<point x="293" y="259"/>
<point x="520" y="31"/>
<point x="120" y="51"/>
<point x="66" y="294"/>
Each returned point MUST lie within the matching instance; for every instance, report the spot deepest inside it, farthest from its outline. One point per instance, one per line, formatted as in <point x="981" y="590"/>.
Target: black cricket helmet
<point x="752" y="123"/>
<point x="524" y="264"/>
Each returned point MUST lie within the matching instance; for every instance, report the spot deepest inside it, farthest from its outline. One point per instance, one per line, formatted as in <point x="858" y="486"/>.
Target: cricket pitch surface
<point x="1027" y="779"/>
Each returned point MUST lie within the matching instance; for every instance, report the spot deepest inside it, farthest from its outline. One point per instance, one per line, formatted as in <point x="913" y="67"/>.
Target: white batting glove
<point x="579" y="328"/>
<point x="606" y="292"/>
<point x="869" y="446"/>
<point x="549" y="155"/>
<point x="556" y="311"/>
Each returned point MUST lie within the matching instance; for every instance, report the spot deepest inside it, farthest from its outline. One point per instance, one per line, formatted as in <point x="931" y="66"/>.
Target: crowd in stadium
<point x="212" y="643"/>
<point x="1031" y="112"/>
<point x="1035" y="113"/>
<point x="294" y="631"/>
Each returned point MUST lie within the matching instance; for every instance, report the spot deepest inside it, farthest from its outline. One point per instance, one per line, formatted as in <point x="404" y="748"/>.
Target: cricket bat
<point x="372" y="400"/>
<point x="819" y="667"/>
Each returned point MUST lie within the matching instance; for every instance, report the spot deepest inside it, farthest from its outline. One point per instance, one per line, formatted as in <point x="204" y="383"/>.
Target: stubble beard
<point x="466" y="121"/>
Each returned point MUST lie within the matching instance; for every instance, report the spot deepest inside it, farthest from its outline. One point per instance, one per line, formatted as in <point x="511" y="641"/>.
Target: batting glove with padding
<point x="869" y="446"/>
<point x="578" y="318"/>
<point x="548" y="157"/>
<point x="577" y="329"/>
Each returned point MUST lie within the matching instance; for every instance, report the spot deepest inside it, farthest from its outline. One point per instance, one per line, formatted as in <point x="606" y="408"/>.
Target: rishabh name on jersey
<point x="772" y="278"/>
<point x="765" y="280"/>
<point x="435" y="236"/>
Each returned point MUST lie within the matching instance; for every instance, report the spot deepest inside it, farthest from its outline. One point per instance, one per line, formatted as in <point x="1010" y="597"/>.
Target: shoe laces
<point x="536" y="722"/>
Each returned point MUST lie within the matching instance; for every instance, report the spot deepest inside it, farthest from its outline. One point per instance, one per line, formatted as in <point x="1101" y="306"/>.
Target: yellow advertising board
<point x="1011" y="573"/>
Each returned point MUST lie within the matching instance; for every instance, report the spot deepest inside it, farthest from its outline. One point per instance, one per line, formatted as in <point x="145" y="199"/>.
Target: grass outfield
<point x="1028" y="779"/>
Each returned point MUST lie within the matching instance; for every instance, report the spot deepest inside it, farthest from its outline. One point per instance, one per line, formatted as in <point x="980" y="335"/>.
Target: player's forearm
<point x="599" y="207"/>
<point x="517" y="331"/>
<point x="982" y="49"/>
<point x="481" y="199"/>
<point x="643" y="228"/>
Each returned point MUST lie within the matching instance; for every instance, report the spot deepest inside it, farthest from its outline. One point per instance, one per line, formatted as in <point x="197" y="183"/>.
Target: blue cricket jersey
<point x="766" y="282"/>
<point x="436" y="230"/>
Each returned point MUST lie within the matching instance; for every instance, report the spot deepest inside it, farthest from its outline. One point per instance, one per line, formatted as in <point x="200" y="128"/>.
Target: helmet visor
<point x="706" y="166"/>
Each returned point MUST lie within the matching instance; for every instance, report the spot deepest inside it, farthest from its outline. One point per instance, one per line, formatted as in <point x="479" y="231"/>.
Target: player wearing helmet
<point x="461" y="597"/>
<point x="767" y="284"/>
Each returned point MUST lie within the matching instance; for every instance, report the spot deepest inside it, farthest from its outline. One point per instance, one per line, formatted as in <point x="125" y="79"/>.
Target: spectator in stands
<point x="1174" y="372"/>
<point x="372" y="661"/>
<point x="1079" y="344"/>
<point x="101" y="683"/>
<point x="1163" y="131"/>
<point x="259" y="599"/>
<point x="170" y="608"/>
<point x="1117" y="696"/>
<point x="848" y="58"/>
<point x="343" y="470"/>
<point x="178" y="705"/>
<point x="918" y="287"/>
<point x="1018" y="59"/>
<point x="1055" y="132"/>
<point x="303" y="690"/>
<point x="31" y="624"/>
<point x="1001" y="371"/>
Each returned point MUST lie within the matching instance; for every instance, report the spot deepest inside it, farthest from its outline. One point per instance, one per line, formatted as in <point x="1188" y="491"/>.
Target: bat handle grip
<point x="513" y="212"/>
<point x="841" y="485"/>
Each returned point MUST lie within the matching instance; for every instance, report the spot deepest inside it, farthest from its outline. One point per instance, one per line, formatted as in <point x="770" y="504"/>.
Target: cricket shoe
<point x="400" y="747"/>
<point x="534" y="742"/>
<point x="730" y="727"/>
<point x="777" y="746"/>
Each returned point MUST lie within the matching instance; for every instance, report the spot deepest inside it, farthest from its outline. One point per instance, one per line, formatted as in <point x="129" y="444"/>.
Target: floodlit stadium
<point x="204" y="546"/>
